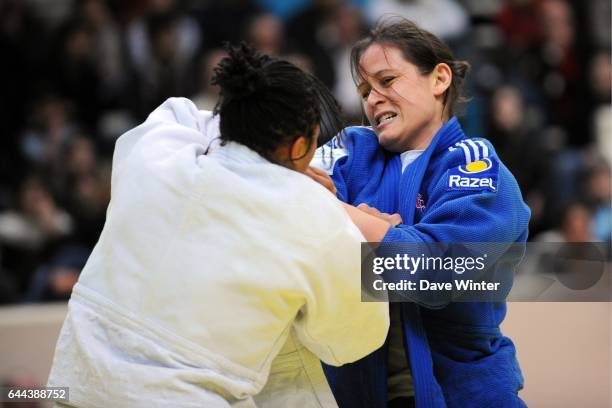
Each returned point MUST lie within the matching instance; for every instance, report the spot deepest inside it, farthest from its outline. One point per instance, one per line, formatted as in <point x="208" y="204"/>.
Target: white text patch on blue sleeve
<point x="475" y="176"/>
<point x="325" y="158"/>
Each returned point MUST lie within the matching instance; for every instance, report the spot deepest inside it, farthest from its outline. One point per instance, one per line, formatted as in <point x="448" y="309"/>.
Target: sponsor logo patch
<point x="420" y="203"/>
<point x="326" y="156"/>
<point x="475" y="176"/>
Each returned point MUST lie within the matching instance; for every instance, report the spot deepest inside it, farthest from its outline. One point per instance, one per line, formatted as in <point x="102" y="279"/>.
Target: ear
<point x="298" y="148"/>
<point x="442" y="77"/>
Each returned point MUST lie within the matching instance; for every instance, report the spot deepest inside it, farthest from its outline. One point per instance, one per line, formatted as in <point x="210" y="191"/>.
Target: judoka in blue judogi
<point x="456" y="190"/>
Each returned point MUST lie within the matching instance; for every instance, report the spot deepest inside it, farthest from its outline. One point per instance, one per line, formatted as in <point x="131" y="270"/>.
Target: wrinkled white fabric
<point x="205" y="265"/>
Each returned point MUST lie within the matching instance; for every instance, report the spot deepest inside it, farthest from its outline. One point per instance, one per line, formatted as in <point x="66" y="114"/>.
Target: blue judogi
<point x="457" y="190"/>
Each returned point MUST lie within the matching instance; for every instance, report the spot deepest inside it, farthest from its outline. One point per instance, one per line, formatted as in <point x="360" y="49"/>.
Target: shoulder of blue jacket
<point x="359" y="140"/>
<point x="326" y="156"/>
<point x="471" y="165"/>
<point x="353" y="135"/>
<point x="469" y="150"/>
<point x="342" y="145"/>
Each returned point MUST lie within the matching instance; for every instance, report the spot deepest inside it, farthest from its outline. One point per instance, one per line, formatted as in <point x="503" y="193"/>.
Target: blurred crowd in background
<point x="76" y="74"/>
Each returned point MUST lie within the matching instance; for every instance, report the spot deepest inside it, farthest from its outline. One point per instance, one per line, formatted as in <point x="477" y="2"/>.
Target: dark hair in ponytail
<point x="266" y="102"/>
<point x="420" y="47"/>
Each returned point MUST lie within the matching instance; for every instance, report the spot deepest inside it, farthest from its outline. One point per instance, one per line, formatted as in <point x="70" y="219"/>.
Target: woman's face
<point x="403" y="106"/>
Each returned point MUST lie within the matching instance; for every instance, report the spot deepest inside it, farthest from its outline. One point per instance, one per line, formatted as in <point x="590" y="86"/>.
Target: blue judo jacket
<point x="457" y="354"/>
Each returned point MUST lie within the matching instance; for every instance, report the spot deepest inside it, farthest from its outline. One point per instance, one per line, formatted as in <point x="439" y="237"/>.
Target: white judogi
<point x="205" y="265"/>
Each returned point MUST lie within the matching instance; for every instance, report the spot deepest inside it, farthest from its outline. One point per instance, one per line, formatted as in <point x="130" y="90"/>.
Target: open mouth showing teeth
<point x="386" y="117"/>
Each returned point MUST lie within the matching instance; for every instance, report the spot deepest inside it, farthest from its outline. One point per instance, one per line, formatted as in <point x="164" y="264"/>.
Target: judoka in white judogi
<point x="208" y="267"/>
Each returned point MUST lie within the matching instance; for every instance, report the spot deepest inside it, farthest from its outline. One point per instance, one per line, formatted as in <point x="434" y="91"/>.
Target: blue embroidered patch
<point x="475" y="176"/>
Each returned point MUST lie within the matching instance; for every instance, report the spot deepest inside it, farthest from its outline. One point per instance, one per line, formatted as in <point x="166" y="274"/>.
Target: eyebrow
<point x="382" y="71"/>
<point x="376" y="74"/>
<point x="362" y="85"/>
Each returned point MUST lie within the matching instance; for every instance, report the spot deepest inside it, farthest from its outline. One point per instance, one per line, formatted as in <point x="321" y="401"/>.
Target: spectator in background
<point x="598" y="198"/>
<point x="77" y="159"/>
<point x="21" y="40"/>
<point x="88" y="205"/>
<point x="542" y="50"/>
<point x="265" y="32"/>
<point x="560" y="71"/>
<point x="31" y="231"/>
<point x="141" y="48"/>
<point x="521" y="148"/>
<point x="574" y="226"/>
<point x="167" y="69"/>
<point x="54" y="280"/>
<point x="519" y="23"/>
<point x="107" y="49"/>
<point x="161" y="47"/>
<point x="75" y="74"/>
<point x="544" y="57"/>
<point x="86" y="191"/>
<point x="514" y="57"/>
<point x="51" y="127"/>
<point x="598" y="179"/>
<point x="37" y="221"/>
<point x="350" y="27"/>
<point x="207" y="94"/>
<point x="311" y="31"/>
<point x="447" y="19"/>
<point x="600" y="80"/>
<point x="81" y="157"/>
<point x="220" y="21"/>
<point x="598" y="15"/>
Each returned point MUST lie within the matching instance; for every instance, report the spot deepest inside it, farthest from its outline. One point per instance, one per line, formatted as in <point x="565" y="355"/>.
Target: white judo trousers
<point x="219" y="280"/>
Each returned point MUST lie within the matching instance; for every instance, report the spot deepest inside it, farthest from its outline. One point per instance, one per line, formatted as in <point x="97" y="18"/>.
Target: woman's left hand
<point x="393" y="219"/>
<point x="322" y="178"/>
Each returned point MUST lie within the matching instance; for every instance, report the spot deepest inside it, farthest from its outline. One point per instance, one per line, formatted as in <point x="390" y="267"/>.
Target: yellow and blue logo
<point x="474" y="176"/>
<point x="476" y="166"/>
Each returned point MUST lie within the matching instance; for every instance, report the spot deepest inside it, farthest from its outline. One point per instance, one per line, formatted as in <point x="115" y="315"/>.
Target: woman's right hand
<point x="372" y="223"/>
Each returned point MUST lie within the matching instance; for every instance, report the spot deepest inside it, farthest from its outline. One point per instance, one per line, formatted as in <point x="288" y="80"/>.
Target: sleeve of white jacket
<point x="175" y="123"/>
<point x="334" y="323"/>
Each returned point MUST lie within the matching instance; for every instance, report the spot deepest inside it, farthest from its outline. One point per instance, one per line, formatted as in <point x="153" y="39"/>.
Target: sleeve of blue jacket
<point x="453" y="215"/>
<point x="468" y="216"/>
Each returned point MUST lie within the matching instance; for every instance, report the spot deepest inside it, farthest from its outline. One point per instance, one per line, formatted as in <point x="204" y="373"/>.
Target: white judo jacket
<point x="208" y="267"/>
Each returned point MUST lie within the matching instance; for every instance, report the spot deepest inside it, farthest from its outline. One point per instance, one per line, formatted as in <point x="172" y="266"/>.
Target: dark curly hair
<point x="266" y="102"/>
